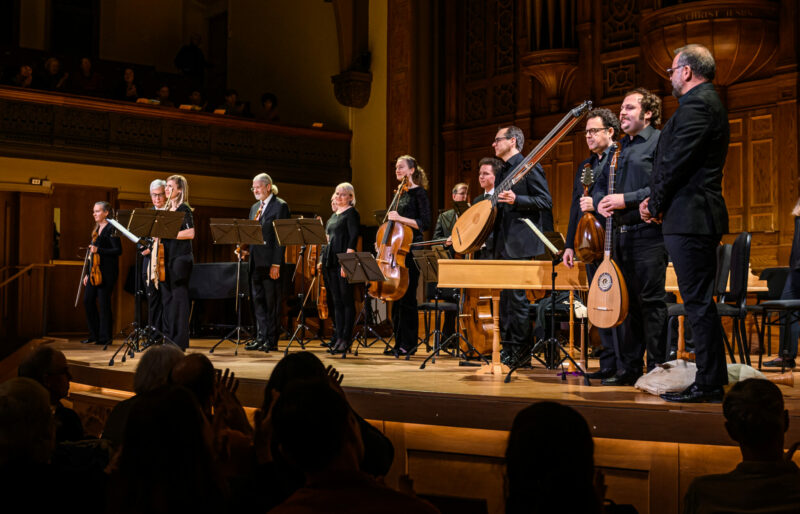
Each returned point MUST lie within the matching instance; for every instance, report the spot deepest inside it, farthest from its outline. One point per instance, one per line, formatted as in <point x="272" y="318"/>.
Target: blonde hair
<point x="419" y="177"/>
<point x="183" y="187"/>
<point x="347" y="186"/>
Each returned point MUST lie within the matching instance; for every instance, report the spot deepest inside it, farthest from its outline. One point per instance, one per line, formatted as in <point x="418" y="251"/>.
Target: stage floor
<point x="382" y="387"/>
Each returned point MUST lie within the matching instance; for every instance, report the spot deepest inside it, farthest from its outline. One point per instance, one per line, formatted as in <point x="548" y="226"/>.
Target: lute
<point x="608" y="294"/>
<point x="589" y="236"/>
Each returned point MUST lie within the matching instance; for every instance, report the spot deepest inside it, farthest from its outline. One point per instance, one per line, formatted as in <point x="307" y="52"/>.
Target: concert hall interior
<point x="268" y="110"/>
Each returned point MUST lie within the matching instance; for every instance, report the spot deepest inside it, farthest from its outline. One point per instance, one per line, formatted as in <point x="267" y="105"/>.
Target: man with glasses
<point x="686" y="198"/>
<point x="512" y="239"/>
<point x="155" y="309"/>
<point x="265" y="264"/>
<point x="602" y="128"/>
<point x="638" y="246"/>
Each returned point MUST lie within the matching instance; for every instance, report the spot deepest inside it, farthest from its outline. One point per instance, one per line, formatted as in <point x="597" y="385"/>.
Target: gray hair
<point x="699" y="59"/>
<point x="158" y="184"/>
<point x="347" y="186"/>
<point x="515" y="132"/>
<point x="266" y="179"/>
<point x="154" y="368"/>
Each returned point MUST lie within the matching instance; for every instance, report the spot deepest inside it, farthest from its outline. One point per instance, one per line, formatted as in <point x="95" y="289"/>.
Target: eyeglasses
<point x="157" y="195"/>
<point x="499" y="139"/>
<point x="593" y="131"/>
<point x="670" y="70"/>
<point x="253" y="189"/>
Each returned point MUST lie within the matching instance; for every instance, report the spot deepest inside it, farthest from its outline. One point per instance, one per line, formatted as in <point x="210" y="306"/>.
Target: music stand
<point x="361" y="267"/>
<point x="143" y="226"/>
<point x="300" y="232"/>
<point x="554" y="352"/>
<point x="229" y="231"/>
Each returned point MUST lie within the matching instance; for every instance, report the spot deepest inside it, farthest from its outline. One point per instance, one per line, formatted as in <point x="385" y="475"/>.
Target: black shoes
<point x="255" y="345"/>
<point x="602" y="373"/>
<point x="88" y="341"/>
<point x="696" y="394"/>
<point x="622" y="378"/>
<point x="779" y="362"/>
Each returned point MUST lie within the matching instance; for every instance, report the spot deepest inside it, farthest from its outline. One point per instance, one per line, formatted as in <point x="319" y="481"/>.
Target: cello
<point x="394" y="242"/>
<point x="590" y="233"/>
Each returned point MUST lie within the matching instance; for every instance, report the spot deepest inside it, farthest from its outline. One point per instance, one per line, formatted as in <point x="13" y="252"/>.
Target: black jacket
<point x="109" y="249"/>
<point x="686" y="184"/>
<point x="270" y="253"/>
<point x="444" y="224"/>
<point x="512" y="238"/>
<point x="343" y="231"/>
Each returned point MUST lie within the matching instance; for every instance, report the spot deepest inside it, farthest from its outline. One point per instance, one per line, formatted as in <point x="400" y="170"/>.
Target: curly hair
<point x="649" y="102"/>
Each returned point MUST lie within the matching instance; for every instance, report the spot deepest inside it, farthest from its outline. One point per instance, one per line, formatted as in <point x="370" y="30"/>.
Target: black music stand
<point x="361" y="267"/>
<point x="300" y="232"/>
<point x="554" y="352"/>
<point x="143" y="225"/>
<point x="229" y="231"/>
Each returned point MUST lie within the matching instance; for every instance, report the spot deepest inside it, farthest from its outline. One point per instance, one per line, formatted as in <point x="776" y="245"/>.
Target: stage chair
<point x="733" y="304"/>
<point x="776" y="280"/>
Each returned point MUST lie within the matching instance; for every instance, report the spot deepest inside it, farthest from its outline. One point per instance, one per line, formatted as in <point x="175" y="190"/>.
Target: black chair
<point x="776" y="280"/>
<point x="733" y="304"/>
<point x="675" y="310"/>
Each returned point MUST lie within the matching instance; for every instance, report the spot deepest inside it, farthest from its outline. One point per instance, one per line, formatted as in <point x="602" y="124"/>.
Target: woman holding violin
<point x="178" y="263"/>
<point x="413" y="211"/>
<point x="343" y="229"/>
<point x="99" y="276"/>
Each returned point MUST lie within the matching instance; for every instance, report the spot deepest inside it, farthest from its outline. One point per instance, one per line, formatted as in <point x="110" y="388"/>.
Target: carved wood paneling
<point x="620" y="24"/>
<point x="65" y="128"/>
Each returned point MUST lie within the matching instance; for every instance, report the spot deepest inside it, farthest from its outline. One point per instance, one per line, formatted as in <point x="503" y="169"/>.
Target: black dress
<point x="343" y="230"/>
<point x="415" y="205"/>
<point x="97" y="299"/>
<point x="178" y="263"/>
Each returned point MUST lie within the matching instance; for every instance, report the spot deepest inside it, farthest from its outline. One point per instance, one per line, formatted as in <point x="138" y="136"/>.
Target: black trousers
<point x="97" y="302"/>
<point x="609" y="354"/>
<point x="175" y="300"/>
<point x="515" y="324"/>
<point x="344" y="305"/>
<point x="266" y="304"/>
<point x="404" y="311"/>
<point x="642" y="257"/>
<point x="790" y="329"/>
<point x="695" y="260"/>
<point x="155" y="309"/>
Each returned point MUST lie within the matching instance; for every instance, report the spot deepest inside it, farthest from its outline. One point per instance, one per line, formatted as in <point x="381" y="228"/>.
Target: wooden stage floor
<point x="382" y="387"/>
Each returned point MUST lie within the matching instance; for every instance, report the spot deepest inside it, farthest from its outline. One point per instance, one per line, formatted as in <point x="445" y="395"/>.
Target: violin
<point x="322" y="297"/>
<point x="394" y="242"/>
<point x="95" y="277"/>
<point x="161" y="267"/>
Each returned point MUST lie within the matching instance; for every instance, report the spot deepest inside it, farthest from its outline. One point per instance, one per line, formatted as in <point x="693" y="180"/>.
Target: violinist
<point x="155" y="309"/>
<point x="343" y="229"/>
<point x="178" y="263"/>
<point x="265" y="264"/>
<point x="413" y="211"/>
<point x="99" y="279"/>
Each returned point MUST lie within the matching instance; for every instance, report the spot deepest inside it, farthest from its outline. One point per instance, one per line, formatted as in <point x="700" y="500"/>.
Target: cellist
<point x="100" y="277"/>
<point x="413" y="211"/>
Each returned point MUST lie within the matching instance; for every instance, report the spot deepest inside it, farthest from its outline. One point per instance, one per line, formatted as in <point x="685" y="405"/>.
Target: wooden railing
<point x="26" y="310"/>
<point x="62" y="127"/>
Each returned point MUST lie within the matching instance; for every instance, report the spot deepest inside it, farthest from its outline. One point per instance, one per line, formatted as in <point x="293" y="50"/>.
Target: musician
<point x="178" y="263"/>
<point x="686" y="197"/>
<point x="343" y="229"/>
<point x="265" y="264"/>
<point x="602" y="127"/>
<point x="97" y="299"/>
<point x="512" y="238"/>
<point x="639" y="246"/>
<point x="413" y="211"/>
<point x="155" y="309"/>
<point x="488" y="168"/>
<point x="790" y="327"/>
<point x="446" y="219"/>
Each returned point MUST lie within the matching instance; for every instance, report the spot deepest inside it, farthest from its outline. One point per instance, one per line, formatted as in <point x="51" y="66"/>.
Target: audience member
<point x="152" y="372"/>
<point x="196" y="100"/>
<point x="166" y="463"/>
<point x="331" y="464"/>
<point x="766" y="480"/>
<point x="48" y="366"/>
<point x="52" y="78"/>
<point x="547" y="432"/>
<point x="269" y="105"/>
<point x="24" y="78"/>
<point x="191" y="61"/>
<point x="128" y="89"/>
<point x="163" y="97"/>
<point x="87" y="81"/>
<point x="232" y="105"/>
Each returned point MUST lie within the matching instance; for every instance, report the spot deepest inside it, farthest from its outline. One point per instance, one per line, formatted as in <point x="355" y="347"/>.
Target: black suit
<point x="686" y="187"/>
<point x="97" y="299"/>
<point x="266" y="292"/>
<point x="513" y="239"/>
